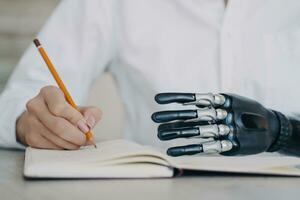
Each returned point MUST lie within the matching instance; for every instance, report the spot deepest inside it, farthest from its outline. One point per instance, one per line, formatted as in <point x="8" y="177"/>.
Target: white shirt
<point x="251" y="48"/>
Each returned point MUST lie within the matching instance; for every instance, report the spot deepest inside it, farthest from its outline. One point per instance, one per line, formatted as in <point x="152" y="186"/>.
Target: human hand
<point x="51" y="123"/>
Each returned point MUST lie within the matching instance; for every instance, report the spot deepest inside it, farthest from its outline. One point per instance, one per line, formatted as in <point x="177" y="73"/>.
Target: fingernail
<point x="91" y="122"/>
<point x="81" y="124"/>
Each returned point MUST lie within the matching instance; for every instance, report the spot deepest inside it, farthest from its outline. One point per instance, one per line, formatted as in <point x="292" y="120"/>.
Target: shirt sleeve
<point x="78" y="39"/>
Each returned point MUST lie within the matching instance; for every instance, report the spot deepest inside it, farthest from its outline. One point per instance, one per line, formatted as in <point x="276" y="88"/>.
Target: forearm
<point x="293" y="143"/>
<point x="79" y="58"/>
<point x="287" y="140"/>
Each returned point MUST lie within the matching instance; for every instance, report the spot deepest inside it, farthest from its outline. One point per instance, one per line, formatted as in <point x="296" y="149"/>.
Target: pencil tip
<point x="36" y="42"/>
<point x="94" y="144"/>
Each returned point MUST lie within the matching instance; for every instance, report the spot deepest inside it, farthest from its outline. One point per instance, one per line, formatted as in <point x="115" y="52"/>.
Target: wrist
<point x="20" y="136"/>
<point x="284" y="133"/>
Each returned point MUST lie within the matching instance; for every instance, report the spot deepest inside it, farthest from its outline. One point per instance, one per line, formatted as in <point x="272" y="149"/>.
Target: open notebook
<point x="125" y="159"/>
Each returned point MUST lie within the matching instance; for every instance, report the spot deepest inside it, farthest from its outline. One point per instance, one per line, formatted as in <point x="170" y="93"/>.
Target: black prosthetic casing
<point x="165" y="98"/>
<point x="166" y="116"/>
<point x="293" y="143"/>
<point x="255" y="128"/>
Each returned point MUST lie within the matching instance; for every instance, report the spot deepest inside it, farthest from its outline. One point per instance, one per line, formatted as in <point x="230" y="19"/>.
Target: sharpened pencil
<point x="61" y="85"/>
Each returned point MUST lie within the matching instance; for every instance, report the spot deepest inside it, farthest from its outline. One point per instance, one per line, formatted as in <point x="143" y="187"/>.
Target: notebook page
<point x="125" y="156"/>
<point x="265" y="163"/>
<point x="105" y="150"/>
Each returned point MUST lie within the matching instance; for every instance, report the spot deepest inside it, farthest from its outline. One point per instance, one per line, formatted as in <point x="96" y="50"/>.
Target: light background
<point x="20" y="20"/>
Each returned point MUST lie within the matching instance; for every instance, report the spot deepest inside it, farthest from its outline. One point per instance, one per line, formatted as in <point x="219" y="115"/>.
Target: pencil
<point x="61" y="85"/>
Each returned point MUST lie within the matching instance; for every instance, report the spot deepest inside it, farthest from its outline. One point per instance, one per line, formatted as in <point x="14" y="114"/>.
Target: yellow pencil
<point x="61" y="85"/>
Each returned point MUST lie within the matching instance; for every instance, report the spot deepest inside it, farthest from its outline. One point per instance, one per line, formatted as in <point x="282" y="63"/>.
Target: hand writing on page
<point x="50" y="122"/>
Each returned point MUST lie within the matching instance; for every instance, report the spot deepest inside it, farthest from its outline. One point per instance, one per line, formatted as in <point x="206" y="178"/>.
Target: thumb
<point x="91" y="114"/>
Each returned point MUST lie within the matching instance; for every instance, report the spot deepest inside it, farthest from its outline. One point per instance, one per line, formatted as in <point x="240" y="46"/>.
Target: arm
<point x="293" y="142"/>
<point x="234" y="125"/>
<point x="78" y="39"/>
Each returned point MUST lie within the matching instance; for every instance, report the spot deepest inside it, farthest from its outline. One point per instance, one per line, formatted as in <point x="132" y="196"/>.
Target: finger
<point x="199" y="99"/>
<point x="60" y="126"/>
<point x="204" y="114"/>
<point x="165" y="98"/>
<point x="178" y="133"/>
<point x="47" y="134"/>
<point x="52" y="137"/>
<point x="58" y="106"/>
<point x="204" y="131"/>
<point x="59" y="141"/>
<point x="36" y="140"/>
<point x="179" y="124"/>
<point x="185" y="150"/>
<point x="47" y="144"/>
<point x="207" y="147"/>
<point x="91" y="114"/>
<point x="165" y="130"/>
<point x="167" y="116"/>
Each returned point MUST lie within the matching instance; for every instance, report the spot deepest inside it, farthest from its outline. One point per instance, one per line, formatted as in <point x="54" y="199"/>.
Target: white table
<point x="14" y="186"/>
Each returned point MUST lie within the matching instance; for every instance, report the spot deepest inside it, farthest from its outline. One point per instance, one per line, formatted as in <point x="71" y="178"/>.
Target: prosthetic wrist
<point x="289" y="137"/>
<point x="232" y="125"/>
<point x="284" y="133"/>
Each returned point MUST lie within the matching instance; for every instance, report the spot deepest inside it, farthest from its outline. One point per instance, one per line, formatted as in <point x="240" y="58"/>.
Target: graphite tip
<point x="94" y="144"/>
<point x="37" y="42"/>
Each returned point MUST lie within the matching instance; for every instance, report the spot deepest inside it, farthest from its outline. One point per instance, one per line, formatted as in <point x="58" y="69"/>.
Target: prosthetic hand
<point x="233" y="125"/>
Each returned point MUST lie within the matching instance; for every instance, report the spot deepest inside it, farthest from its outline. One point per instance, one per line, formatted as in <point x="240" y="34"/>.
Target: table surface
<point x="198" y="186"/>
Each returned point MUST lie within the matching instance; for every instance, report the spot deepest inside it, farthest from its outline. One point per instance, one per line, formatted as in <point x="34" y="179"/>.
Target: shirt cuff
<point x="10" y="113"/>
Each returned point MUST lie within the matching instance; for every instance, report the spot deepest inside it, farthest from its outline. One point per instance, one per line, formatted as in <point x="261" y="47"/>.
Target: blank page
<point x="117" y="158"/>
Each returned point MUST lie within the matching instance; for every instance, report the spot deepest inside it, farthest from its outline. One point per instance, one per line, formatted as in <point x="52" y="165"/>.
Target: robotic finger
<point x="217" y="146"/>
<point x="167" y="116"/>
<point x="203" y="114"/>
<point x="199" y="99"/>
<point x="205" y="131"/>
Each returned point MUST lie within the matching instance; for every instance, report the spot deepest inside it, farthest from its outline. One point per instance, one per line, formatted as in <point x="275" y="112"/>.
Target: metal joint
<point x="209" y="114"/>
<point x="217" y="146"/>
<point x="213" y="130"/>
<point x="208" y="99"/>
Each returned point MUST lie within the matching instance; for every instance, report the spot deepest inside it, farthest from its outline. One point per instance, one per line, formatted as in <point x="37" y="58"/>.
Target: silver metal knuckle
<point x="207" y="99"/>
<point x="206" y="114"/>
<point x="221" y="114"/>
<point x="208" y="131"/>
<point x="217" y="146"/>
<point x="219" y="99"/>
<point x="212" y="147"/>
<point x="213" y="130"/>
<point x="223" y="129"/>
<point x="209" y="114"/>
<point x="226" y="145"/>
